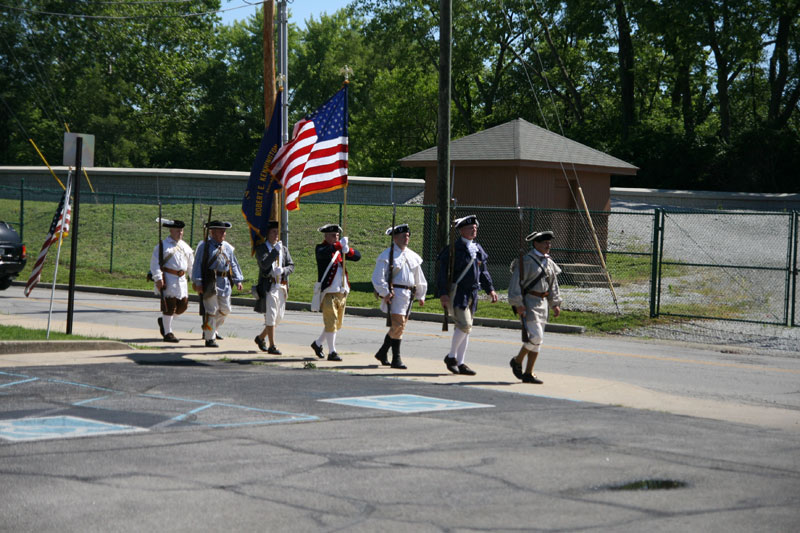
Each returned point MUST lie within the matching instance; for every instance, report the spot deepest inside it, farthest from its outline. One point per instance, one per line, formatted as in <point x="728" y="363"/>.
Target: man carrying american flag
<point x="58" y="227"/>
<point x="315" y="160"/>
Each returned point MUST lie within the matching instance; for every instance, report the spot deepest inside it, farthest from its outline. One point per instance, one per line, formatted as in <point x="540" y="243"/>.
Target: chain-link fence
<point x="728" y="265"/>
<point x="723" y="265"/>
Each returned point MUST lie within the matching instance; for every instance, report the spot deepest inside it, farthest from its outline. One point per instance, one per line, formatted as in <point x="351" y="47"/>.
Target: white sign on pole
<point x="87" y="153"/>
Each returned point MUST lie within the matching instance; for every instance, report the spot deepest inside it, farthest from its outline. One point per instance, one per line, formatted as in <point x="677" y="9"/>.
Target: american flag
<point x="316" y="158"/>
<point x="60" y="224"/>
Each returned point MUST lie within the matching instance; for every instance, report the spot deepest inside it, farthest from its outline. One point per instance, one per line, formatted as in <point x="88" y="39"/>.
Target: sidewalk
<point x="295" y="355"/>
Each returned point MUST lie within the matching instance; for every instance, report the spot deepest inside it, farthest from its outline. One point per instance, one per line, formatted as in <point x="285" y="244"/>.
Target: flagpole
<point x="346" y="71"/>
<point x="58" y="251"/>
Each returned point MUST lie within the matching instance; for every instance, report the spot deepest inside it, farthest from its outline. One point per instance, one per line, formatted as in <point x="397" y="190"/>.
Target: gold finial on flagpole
<point x="346" y="71"/>
<point x="280" y="80"/>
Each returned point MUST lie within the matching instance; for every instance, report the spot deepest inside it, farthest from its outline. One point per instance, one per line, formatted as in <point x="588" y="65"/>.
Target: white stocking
<point x="462" y="350"/>
<point x="166" y="320"/>
<point x="458" y="339"/>
<point x="331" y="337"/>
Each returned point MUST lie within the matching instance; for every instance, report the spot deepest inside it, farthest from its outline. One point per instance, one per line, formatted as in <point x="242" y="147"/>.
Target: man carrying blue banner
<point x="259" y="195"/>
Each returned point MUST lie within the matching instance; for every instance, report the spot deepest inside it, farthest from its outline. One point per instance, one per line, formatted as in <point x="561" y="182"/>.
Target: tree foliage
<point x="698" y="95"/>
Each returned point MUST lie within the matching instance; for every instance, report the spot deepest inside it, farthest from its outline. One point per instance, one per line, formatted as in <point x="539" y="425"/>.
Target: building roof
<point x="519" y="140"/>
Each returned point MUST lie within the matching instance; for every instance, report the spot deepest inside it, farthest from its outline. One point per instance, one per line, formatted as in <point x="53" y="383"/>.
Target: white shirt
<point x="177" y="256"/>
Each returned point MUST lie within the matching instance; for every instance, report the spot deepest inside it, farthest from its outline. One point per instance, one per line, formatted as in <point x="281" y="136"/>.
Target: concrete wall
<point x="650" y="198"/>
<point x="193" y="183"/>
<point x="217" y="184"/>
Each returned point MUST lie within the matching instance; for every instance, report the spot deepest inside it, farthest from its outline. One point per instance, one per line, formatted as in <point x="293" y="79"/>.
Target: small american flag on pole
<point x="59" y="225"/>
<point x="315" y="160"/>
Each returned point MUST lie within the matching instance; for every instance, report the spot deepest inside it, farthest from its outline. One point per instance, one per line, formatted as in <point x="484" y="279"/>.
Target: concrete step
<point x="583" y="275"/>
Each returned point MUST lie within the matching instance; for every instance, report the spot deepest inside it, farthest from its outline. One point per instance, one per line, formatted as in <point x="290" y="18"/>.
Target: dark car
<point x="13" y="255"/>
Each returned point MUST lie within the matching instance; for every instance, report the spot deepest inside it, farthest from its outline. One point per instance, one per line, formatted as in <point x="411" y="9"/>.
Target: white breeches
<point x="275" y="304"/>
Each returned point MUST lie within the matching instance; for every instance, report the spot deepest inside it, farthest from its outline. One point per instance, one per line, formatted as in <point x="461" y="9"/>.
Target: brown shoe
<point x="170" y="337"/>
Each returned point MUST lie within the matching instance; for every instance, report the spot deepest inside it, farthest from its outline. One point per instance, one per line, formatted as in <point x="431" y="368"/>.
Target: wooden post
<point x="269" y="60"/>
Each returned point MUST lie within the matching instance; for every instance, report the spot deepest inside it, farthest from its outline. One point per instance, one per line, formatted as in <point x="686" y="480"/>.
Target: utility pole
<point x="269" y="60"/>
<point x="443" y="145"/>
<point x="283" y="80"/>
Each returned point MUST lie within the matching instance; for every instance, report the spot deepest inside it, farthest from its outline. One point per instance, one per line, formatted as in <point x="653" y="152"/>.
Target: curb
<point x="7" y="347"/>
<point x="304" y="306"/>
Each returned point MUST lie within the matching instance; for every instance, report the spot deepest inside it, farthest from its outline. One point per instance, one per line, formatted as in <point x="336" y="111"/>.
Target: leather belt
<point x="178" y="273"/>
<point x="403" y="287"/>
<point x="539" y="294"/>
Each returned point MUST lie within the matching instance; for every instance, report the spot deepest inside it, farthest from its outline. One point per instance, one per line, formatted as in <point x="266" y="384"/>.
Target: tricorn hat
<point x="167" y="223"/>
<point x="538" y="236"/>
<point x="272" y="224"/>
<point x="330" y="228"/>
<point x="400" y="228"/>
<point x="466" y="221"/>
<point x="219" y="224"/>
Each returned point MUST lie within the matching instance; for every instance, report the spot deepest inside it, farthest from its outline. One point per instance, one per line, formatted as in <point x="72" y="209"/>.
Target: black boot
<point x="383" y="350"/>
<point x="396" y="361"/>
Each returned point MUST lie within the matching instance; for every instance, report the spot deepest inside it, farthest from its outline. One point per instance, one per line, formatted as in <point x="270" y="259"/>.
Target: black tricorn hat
<point x="330" y="228"/>
<point x="466" y="221"/>
<point x="400" y="228"/>
<point x="219" y="224"/>
<point x="272" y="224"/>
<point x="167" y="223"/>
<point x="538" y="236"/>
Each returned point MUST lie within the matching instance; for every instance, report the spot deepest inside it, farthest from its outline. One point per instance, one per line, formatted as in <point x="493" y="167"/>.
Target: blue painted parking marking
<point x="59" y="427"/>
<point x="174" y="410"/>
<point x="262" y="416"/>
<point x="406" y="403"/>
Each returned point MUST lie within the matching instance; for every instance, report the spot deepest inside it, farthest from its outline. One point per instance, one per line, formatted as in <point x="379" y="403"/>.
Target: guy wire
<point x="587" y="223"/>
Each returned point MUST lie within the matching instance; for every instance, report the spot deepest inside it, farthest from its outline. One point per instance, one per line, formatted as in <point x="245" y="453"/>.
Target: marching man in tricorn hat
<point x="460" y="294"/>
<point x="398" y="290"/>
<point x="333" y="286"/>
<point x="531" y="297"/>
<point x="171" y="259"/>
<point x="214" y="273"/>
<point x="275" y="265"/>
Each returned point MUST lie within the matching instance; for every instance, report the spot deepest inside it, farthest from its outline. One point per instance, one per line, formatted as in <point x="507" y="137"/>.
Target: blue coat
<point x="476" y="277"/>
<point x="221" y="260"/>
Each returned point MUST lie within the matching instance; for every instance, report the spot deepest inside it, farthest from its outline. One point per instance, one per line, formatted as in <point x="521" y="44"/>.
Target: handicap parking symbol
<point x="406" y="403"/>
<point x="58" y="427"/>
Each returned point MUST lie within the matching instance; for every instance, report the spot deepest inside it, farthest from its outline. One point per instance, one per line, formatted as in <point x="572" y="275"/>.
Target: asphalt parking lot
<point x="182" y="438"/>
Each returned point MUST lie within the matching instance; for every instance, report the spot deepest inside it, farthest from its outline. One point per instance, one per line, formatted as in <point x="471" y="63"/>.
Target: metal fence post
<point x="654" y="270"/>
<point x="191" y="230"/>
<point x="22" y="209"/>
<point x="113" y="218"/>
<point x="793" y="266"/>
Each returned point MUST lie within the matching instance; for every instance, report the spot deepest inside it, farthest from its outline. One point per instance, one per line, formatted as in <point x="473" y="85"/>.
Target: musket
<point x="161" y="259"/>
<point x="204" y="265"/>
<point x="451" y="259"/>
<point x="521" y="266"/>
<point x="391" y="267"/>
